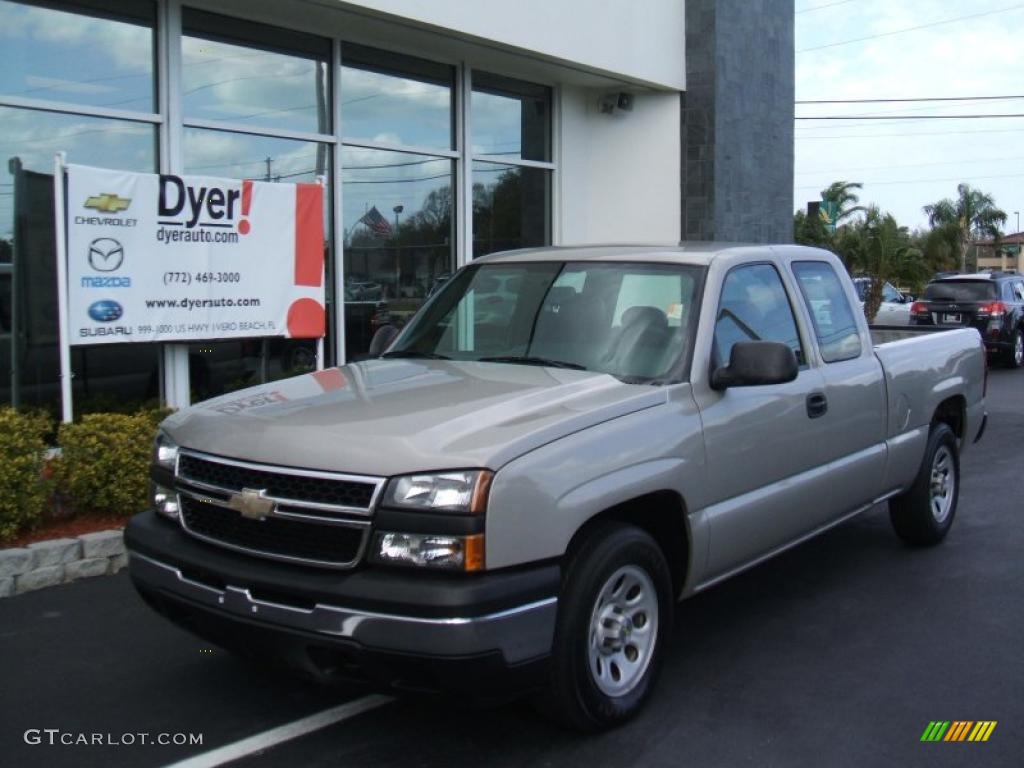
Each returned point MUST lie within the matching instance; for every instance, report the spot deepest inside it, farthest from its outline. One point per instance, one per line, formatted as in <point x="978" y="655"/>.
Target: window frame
<point x="714" y="362"/>
<point x="810" y="311"/>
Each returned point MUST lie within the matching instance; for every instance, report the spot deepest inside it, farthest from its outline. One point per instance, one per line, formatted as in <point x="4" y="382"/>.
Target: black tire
<point x="575" y="696"/>
<point x="1014" y="356"/>
<point x="919" y="516"/>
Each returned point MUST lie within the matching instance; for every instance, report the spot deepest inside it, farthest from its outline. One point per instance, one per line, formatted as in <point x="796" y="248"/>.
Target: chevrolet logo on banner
<point x="108" y="203"/>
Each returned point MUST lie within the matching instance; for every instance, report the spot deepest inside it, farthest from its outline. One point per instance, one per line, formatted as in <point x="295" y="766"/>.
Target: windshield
<point x="633" y="321"/>
<point x="961" y="290"/>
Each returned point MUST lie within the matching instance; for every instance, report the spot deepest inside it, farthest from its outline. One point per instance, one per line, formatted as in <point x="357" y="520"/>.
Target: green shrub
<point x="24" y="492"/>
<point x="104" y="463"/>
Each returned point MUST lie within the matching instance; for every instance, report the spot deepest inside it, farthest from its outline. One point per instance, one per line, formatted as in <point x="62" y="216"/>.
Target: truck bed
<point x="886" y="334"/>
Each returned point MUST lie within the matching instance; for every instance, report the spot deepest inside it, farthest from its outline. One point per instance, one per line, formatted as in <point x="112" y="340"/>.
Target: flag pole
<point x="67" y="407"/>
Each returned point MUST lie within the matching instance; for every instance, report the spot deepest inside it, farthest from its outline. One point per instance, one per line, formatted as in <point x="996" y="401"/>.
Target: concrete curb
<point x="59" y="561"/>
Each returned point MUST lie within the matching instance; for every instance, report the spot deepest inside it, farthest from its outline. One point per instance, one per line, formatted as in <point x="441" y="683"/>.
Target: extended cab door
<point x="763" y="444"/>
<point x="857" y="416"/>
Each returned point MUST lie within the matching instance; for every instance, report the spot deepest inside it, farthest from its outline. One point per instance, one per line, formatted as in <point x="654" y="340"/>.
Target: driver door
<point x="762" y="444"/>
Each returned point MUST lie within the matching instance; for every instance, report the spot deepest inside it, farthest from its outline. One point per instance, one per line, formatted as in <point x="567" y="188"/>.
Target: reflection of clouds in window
<point x="51" y="54"/>
<point x="497" y="122"/>
<point x="408" y="110"/>
<point x="236" y="155"/>
<point x="34" y="137"/>
<point x="231" y="82"/>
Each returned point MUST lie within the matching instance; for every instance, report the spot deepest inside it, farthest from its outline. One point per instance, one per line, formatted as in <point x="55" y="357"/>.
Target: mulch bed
<point x="67" y="529"/>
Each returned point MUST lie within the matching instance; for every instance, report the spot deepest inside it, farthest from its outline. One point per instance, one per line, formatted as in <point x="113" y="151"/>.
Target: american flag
<point x="375" y="221"/>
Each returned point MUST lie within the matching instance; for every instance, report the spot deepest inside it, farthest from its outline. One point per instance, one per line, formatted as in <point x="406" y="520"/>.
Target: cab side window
<point x="831" y="314"/>
<point x="754" y="307"/>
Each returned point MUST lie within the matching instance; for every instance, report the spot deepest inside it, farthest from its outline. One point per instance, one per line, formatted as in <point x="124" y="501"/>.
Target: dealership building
<point x="442" y="131"/>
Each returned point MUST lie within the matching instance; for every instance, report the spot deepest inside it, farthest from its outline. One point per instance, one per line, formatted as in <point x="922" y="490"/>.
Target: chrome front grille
<point x="305" y="516"/>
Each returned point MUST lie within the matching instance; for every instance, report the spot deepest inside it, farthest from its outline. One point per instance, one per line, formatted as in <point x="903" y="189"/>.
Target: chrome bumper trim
<point x="521" y="633"/>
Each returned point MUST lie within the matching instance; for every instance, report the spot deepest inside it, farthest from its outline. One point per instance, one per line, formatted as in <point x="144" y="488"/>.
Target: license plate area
<point x="952" y="318"/>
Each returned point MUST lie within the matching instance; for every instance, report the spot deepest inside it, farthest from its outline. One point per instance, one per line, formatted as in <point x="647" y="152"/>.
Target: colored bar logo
<point x="958" y="730"/>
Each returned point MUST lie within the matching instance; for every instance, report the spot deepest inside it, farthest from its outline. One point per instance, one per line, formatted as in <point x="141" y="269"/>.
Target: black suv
<point x="992" y="303"/>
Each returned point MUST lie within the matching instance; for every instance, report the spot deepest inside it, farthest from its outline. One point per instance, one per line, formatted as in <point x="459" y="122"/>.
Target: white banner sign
<point x="176" y="258"/>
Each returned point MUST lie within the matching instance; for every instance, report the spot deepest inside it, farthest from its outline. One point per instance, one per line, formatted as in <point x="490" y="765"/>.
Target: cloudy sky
<point x="971" y="48"/>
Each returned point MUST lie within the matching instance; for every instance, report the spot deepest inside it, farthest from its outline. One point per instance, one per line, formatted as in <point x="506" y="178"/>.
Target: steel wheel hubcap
<point x="943" y="484"/>
<point x="623" y="631"/>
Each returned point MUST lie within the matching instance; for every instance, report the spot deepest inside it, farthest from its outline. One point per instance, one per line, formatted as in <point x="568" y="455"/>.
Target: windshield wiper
<point x="412" y="353"/>
<point x="527" y="360"/>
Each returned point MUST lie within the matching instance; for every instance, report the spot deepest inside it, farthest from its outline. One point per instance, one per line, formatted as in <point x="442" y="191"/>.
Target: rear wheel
<point x="924" y="514"/>
<point x="1014" y="356"/>
<point x="614" y="617"/>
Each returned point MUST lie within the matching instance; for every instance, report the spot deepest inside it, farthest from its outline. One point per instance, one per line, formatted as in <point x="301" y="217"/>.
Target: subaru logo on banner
<point x="105" y="311"/>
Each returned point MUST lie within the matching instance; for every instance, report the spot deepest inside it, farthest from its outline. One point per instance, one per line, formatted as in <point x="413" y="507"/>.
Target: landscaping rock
<point x="14" y="562"/>
<point x="56" y="551"/>
<point x="84" y="569"/>
<point x="117" y="562"/>
<point x="102" y="544"/>
<point x="7" y="587"/>
<point x="39" y="578"/>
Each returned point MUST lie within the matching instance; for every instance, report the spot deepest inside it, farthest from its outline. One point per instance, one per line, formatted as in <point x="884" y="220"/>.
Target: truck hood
<point x="388" y="417"/>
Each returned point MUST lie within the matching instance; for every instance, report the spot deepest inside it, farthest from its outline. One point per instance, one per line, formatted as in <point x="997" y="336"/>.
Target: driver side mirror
<point x="381" y="341"/>
<point x="756" y="363"/>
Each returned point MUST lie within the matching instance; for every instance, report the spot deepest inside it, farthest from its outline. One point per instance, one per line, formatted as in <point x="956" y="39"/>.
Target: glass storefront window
<point x="511" y="207"/>
<point x="394" y="99"/>
<point x="398" y="218"/>
<point x="100" y="55"/>
<point x="274" y="79"/>
<point x="510" y="119"/>
<point x="123" y="375"/>
<point x="217" y="367"/>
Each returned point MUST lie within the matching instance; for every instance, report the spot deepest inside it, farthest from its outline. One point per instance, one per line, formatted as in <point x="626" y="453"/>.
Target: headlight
<point x="462" y="492"/>
<point x="165" y="501"/>
<point x="450" y="553"/>
<point x="165" y="452"/>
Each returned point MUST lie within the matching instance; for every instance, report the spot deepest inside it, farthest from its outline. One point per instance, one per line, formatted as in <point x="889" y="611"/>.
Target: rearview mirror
<point x="756" y="363"/>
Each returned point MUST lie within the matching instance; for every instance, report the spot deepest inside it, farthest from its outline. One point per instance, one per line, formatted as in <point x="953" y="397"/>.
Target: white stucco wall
<point x="639" y="39"/>
<point x="620" y="173"/>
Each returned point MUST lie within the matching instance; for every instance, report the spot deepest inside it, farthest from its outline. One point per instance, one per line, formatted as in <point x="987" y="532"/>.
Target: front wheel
<point x="614" y="617"/>
<point x="923" y="515"/>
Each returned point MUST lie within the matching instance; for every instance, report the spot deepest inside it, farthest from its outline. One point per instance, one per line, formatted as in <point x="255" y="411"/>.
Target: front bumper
<point x="367" y="624"/>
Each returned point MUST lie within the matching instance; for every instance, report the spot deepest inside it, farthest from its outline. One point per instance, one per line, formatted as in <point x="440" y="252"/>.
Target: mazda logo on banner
<point x="106" y="254"/>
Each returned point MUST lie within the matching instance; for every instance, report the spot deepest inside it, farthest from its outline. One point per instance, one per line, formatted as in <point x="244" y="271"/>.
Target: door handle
<point x="817" y="405"/>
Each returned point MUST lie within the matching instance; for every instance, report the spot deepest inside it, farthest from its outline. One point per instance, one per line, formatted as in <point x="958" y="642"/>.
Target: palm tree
<point x="972" y="214"/>
<point x="845" y="199"/>
<point x="883" y="251"/>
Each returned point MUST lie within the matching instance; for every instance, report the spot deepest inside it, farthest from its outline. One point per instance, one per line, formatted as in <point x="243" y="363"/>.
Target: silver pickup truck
<point x="555" y="449"/>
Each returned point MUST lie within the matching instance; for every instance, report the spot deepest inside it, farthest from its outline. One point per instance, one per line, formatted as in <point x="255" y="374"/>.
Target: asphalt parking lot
<point x="837" y="653"/>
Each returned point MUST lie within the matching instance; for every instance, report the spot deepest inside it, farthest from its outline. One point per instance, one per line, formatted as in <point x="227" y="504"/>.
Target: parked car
<point x="489" y="509"/>
<point x="895" y="306"/>
<point x="993" y="303"/>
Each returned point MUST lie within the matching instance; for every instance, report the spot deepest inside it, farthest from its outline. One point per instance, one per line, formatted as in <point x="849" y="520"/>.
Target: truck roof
<point x="698" y="253"/>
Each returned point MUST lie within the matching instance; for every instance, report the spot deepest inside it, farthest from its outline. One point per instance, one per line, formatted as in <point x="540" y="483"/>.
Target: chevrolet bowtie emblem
<point x="108" y="203"/>
<point x="252" y="504"/>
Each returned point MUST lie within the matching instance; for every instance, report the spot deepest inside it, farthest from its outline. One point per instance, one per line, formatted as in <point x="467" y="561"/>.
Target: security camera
<point x="624" y="101"/>
<point x="607" y="104"/>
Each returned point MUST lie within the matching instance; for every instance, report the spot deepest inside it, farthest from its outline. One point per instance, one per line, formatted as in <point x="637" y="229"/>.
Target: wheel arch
<point x="953" y="412"/>
<point x="663" y="515"/>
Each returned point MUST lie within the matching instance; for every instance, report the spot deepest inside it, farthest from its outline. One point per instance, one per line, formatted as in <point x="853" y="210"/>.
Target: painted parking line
<point x="283" y="733"/>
